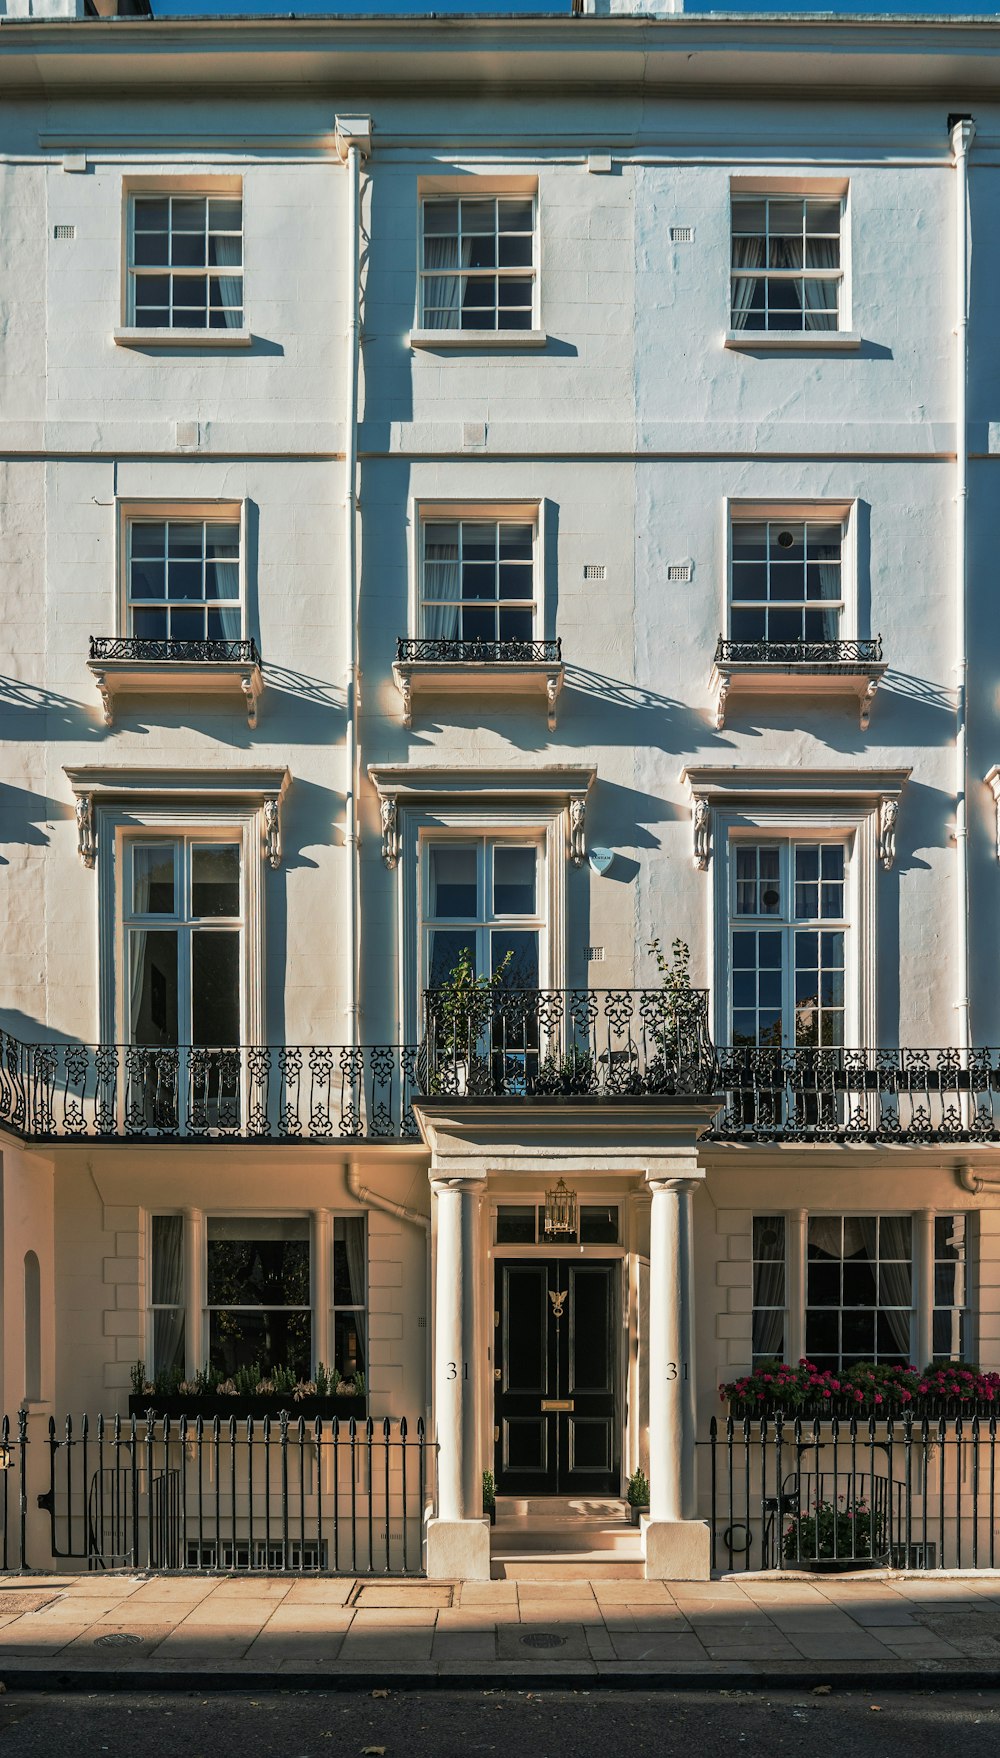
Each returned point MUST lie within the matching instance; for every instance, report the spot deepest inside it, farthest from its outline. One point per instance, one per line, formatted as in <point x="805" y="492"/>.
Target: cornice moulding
<point x="118" y="781"/>
<point x="407" y="783"/>
<point x="719" y="785"/>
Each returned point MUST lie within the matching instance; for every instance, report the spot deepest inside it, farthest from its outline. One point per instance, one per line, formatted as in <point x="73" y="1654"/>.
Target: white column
<point x="322" y="1289"/>
<point x="195" y="1342"/>
<point x="795" y="1283"/>
<point x="923" y="1291"/>
<point x="458" y="1542"/>
<point x="677" y="1545"/>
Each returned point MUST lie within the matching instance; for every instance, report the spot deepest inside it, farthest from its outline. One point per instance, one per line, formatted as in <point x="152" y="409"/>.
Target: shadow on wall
<point x="629" y="714"/>
<point x="25" y="817"/>
<point x="28" y="712"/>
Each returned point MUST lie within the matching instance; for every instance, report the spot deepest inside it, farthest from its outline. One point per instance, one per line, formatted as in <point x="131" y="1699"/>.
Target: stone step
<point x="557" y="1508"/>
<point x="569" y="1536"/>
<point x="578" y="1566"/>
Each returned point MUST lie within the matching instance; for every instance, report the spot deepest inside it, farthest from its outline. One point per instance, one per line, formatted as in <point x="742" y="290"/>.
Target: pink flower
<point x="878" y="1398"/>
<point x="923" y="1386"/>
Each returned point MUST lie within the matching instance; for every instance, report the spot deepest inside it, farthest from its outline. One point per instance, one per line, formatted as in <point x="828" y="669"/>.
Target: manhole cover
<point x="542" y="1639"/>
<point x="118" y="1639"/>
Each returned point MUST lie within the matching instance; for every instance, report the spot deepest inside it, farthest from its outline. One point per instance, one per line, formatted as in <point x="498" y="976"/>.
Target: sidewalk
<point x="57" y="1630"/>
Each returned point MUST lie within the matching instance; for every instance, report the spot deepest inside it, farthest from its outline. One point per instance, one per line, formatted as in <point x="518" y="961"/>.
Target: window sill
<point x="505" y="679"/>
<point x="794" y="341"/>
<point x="130" y="336"/>
<point x="145" y="678"/>
<point x="482" y="340"/>
<point x="770" y="678"/>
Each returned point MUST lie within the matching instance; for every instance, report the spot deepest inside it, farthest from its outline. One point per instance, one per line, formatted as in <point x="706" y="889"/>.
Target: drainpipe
<point x="372" y="1200"/>
<point x="353" y="140"/>
<point x="963" y="131"/>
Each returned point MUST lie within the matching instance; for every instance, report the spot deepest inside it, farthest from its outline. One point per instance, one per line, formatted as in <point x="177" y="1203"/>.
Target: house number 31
<point x="451" y="1372"/>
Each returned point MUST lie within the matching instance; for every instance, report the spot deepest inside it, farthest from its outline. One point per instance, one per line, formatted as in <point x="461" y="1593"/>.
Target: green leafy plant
<point x="327" y="1381"/>
<point x="637" y="1493"/>
<point x="137" y="1375"/>
<point x="572" y="1073"/>
<point x="489" y="1491"/>
<point x="461" y="1011"/>
<point x="867" y="1387"/>
<point x="834" y="1530"/>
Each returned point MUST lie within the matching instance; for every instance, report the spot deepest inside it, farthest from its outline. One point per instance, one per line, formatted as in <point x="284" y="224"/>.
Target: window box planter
<point x="844" y="1409"/>
<point x="176" y="1405"/>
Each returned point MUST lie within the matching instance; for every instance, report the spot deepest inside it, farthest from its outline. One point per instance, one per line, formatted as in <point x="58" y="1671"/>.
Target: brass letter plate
<point x="558" y="1404"/>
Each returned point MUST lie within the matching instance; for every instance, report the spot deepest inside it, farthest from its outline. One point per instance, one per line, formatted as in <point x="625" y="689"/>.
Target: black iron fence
<point x="479" y="652"/>
<point x="290" y="1093"/>
<point x="831" y="1495"/>
<point x="253" y="1496"/>
<point x="832" y="653"/>
<point x="547" y="1043"/>
<point x="867" y="1095"/>
<point x="143" y="649"/>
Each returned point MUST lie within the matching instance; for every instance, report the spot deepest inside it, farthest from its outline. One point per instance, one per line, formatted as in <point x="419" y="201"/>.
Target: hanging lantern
<point x="560" y="1212"/>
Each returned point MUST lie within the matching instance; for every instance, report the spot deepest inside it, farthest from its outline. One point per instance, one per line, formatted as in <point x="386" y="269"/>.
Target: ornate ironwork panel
<point x="480" y="652"/>
<point x="145" y="651"/>
<point x="799" y="652"/>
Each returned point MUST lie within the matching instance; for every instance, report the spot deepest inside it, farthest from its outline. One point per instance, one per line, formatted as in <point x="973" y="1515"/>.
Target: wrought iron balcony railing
<point x="799" y="652"/>
<point x="143" y="651"/>
<point x="547" y="1043"/>
<point x="860" y="1096"/>
<point x="78" y="1092"/>
<point x="480" y="652"/>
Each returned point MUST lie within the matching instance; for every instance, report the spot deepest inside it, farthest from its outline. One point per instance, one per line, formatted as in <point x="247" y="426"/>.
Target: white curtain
<point x="896" y="1277"/>
<point x="137" y="942"/>
<point x="229" y="251"/>
<point x="748" y="253"/>
<point x="442" y="580"/>
<point x="443" y="292"/>
<point x="821" y="295"/>
<point x="168" y="1286"/>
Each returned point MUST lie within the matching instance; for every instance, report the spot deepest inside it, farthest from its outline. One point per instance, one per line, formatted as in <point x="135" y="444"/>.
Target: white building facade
<point x="507" y="515"/>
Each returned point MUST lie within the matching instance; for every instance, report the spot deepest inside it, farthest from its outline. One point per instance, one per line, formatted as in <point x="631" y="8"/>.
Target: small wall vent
<point x="682" y="234"/>
<point x="594" y="571"/>
<point x="595" y="955"/>
<point x="64" y="231"/>
<point x="679" y="571"/>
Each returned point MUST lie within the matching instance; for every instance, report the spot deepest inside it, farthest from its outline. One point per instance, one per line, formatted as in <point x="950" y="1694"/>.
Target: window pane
<point x="349" y="1261"/>
<point x="514" y="881"/>
<point x="153" y="880"/>
<point x="522" y="945"/>
<point x="447" y="946"/>
<point x="599" y="1224"/>
<point x="258" y="1261"/>
<point x="454" y="882"/>
<point x="348" y="1345"/>
<point x="215" y="988"/>
<point x="515" y="1226"/>
<point x="265" y="1339"/>
<point x="215" y="881"/>
<point x="167" y="1260"/>
<point x="153" y="986"/>
<point x="168" y="1340"/>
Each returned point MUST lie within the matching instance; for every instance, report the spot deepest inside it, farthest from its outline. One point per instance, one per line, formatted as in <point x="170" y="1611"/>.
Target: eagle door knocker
<point x="558" y="1301"/>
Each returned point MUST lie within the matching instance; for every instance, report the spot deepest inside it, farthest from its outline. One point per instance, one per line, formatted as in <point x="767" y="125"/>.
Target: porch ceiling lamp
<point x="560" y="1211"/>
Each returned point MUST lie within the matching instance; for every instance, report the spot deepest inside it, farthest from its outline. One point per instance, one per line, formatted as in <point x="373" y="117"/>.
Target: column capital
<point x="464" y="1183"/>
<point x="658" y="1179"/>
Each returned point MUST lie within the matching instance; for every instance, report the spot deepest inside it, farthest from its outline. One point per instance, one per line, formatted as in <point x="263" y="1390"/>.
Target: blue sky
<point x="322" y="8"/>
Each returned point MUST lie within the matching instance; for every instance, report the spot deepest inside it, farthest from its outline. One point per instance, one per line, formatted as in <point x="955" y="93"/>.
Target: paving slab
<point x="520" y="1642"/>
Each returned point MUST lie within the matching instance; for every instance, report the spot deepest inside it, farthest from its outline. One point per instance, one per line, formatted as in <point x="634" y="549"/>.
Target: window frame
<point x="751" y="188"/>
<point x="181" y="921"/>
<point x="922" y="1280"/>
<point x="517" y="511"/>
<point x="192" y="187"/>
<point x="120" y="826"/>
<point x="856" y="825"/>
<point x="789" y="925"/>
<point x="464" y="188"/>
<point x="486" y="920"/>
<point x="496" y="603"/>
<point x="831" y="512"/>
<point x="129" y="511"/>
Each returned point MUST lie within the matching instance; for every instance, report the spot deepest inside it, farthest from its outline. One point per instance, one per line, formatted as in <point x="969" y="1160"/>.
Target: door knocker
<point x="558" y="1301"/>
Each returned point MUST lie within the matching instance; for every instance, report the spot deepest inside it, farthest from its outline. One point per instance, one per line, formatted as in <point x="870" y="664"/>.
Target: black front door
<point x="556" y="1375"/>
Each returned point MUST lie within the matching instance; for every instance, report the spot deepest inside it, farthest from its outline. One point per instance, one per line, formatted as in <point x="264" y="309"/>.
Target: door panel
<point x="556" y="1376"/>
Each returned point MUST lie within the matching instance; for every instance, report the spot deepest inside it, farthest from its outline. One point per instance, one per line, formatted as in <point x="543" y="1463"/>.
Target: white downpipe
<point x="962" y="135"/>
<point x="373" y="1200"/>
<point x="353" y="137"/>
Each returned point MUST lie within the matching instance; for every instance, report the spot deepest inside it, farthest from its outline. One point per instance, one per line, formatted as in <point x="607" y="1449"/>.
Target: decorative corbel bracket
<point x="701" y="826"/>
<point x="887" y="815"/>
<point x="389" y="812"/>
<point x="250" y="684"/>
<point x="271" y="823"/>
<point x="578" y="829"/>
<point x="107" y="697"/>
<point x="85" y="839"/>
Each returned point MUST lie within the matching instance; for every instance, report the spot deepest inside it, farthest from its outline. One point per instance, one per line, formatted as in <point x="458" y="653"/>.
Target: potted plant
<point x="250" y="1392"/>
<point x="637" y="1496"/>
<point x="834" y="1539"/>
<point x="674" y="1024"/>
<point x="572" y="1073"/>
<point x="458" y="1015"/>
<point x="863" y="1390"/>
<point x="490" y="1496"/>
